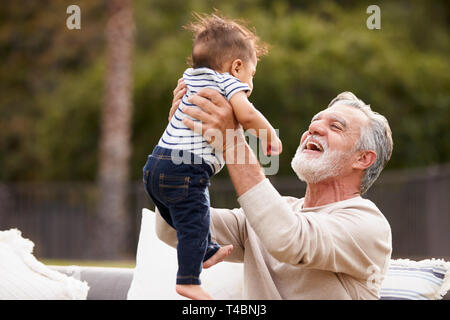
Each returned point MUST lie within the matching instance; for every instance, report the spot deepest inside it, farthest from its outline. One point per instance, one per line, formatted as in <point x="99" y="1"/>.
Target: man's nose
<point x="317" y="127"/>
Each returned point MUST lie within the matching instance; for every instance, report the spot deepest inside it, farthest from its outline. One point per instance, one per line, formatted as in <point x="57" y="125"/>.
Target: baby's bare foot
<point x="192" y="291"/>
<point x="218" y="256"/>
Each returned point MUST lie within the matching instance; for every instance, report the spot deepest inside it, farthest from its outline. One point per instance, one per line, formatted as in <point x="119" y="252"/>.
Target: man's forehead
<point x="343" y="112"/>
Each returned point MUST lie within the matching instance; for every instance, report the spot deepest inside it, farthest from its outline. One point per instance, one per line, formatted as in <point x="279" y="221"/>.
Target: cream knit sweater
<point x="336" y="251"/>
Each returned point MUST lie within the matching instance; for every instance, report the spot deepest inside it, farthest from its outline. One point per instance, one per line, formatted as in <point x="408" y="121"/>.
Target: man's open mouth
<point x="312" y="146"/>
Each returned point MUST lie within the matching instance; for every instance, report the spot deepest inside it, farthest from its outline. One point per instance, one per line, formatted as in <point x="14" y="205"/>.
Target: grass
<point x="91" y="263"/>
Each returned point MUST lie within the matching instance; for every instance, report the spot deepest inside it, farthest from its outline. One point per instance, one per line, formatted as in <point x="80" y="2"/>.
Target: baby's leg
<point x="218" y="256"/>
<point x="193" y="291"/>
<point x="190" y="215"/>
<point x="215" y="253"/>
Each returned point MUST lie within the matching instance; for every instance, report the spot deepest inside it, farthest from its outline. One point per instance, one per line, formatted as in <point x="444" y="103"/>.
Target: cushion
<point x="156" y="268"/>
<point x="23" y="277"/>
<point x="416" y="280"/>
<point x="105" y="283"/>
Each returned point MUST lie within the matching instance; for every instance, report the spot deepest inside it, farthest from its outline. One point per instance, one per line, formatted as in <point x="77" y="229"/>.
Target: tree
<point x="115" y="147"/>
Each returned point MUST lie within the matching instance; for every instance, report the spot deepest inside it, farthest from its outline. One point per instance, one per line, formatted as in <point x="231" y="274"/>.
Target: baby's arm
<point x="250" y="118"/>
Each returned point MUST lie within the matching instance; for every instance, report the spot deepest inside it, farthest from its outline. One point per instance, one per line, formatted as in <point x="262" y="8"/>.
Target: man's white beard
<point x="315" y="169"/>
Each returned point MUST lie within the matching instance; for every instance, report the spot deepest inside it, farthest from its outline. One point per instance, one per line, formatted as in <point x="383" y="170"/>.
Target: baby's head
<point x="225" y="45"/>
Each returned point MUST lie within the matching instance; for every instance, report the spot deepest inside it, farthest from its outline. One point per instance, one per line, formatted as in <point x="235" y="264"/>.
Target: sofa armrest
<point x="104" y="283"/>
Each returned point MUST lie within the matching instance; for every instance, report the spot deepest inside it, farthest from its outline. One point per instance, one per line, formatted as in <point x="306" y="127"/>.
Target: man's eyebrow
<point x="332" y="117"/>
<point x="340" y="120"/>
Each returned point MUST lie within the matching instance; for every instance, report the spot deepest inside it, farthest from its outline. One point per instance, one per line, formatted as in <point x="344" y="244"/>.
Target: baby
<point x="177" y="173"/>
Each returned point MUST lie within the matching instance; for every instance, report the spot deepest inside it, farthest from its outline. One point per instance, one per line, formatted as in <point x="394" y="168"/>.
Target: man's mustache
<point x="317" y="138"/>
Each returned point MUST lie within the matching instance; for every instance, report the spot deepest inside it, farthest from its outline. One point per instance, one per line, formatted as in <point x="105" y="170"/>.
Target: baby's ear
<point x="236" y="67"/>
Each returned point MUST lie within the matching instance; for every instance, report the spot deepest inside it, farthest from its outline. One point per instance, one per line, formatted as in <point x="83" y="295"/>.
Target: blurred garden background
<point x="81" y="109"/>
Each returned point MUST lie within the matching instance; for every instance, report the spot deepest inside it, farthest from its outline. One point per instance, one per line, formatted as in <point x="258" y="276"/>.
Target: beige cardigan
<point x="336" y="251"/>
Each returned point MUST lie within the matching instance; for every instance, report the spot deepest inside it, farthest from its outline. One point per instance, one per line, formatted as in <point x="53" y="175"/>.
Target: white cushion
<point x="22" y="277"/>
<point x="156" y="269"/>
<point x="416" y="280"/>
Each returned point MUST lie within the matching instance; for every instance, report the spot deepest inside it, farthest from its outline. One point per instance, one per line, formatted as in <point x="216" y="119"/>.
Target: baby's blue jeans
<point x="180" y="191"/>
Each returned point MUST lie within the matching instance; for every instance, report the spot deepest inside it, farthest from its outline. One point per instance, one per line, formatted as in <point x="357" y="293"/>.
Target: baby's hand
<point x="272" y="149"/>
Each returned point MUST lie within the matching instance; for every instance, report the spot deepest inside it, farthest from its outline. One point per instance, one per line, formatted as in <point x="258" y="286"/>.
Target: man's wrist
<point x="236" y="153"/>
<point x="235" y="146"/>
<point x="243" y="166"/>
<point x="244" y="169"/>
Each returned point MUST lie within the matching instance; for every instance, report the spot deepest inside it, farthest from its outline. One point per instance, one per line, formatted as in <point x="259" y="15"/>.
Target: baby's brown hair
<point x="218" y="39"/>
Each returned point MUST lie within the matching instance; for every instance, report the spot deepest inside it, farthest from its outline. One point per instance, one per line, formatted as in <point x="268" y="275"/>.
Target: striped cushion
<point x="416" y="280"/>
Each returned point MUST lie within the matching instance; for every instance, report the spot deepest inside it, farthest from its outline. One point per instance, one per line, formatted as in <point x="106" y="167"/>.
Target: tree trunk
<point x="113" y="178"/>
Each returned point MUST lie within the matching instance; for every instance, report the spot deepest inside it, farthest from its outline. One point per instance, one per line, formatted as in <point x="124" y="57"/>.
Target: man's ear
<point x="236" y="67"/>
<point x="365" y="159"/>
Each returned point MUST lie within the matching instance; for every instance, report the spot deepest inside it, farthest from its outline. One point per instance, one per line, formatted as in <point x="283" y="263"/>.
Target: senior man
<point x="330" y="244"/>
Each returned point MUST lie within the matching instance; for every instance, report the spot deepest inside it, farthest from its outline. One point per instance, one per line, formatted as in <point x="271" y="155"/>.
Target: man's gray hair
<point x="377" y="137"/>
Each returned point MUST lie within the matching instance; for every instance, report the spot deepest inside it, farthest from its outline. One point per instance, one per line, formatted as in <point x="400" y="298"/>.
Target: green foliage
<point x="47" y="94"/>
<point x="52" y="78"/>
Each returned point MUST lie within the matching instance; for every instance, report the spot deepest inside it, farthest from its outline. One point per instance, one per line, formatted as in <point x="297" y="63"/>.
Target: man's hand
<point x="216" y="118"/>
<point x="178" y="94"/>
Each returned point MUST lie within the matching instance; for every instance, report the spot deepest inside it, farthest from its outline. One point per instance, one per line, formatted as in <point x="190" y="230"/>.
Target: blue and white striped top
<point x="178" y="136"/>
